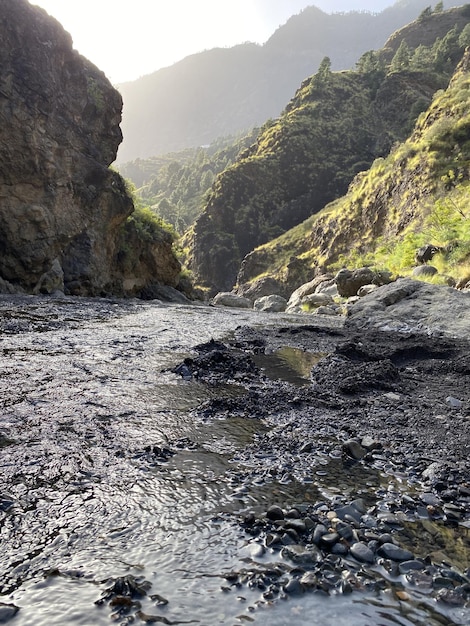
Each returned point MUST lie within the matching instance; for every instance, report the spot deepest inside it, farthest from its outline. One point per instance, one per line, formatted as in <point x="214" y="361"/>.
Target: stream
<point x="90" y="492"/>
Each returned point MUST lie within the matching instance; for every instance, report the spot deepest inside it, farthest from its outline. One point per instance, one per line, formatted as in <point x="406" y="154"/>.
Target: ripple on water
<point x="85" y="388"/>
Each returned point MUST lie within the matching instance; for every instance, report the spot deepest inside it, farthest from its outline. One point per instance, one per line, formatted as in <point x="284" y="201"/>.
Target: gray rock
<point x="275" y="513"/>
<point x="7" y="612"/>
<point x="409" y="305"/>
<point x="309" y="580"/>
<point x="52" y="280"/>
<point x="410" y="566"/>
<point x="270" y="304"/>
<point x="261" y="287"/>
<point x="362" y="552"/>
<point x="306" y="289"/>
<point x="424" y="270"/>
<point x="328" y="310"/>
<point x="293" y="587"/>
<point x="349" y="282"/>
<point x="454" y="403"/>
<point x="365" y="289"/>
<point x="426" y="253"/>
<point x="317" y="299"/>
<point x="354" y="449"/>
<point x="302" y="555"/>
<point x="229" y="299"/>
<point x="394" y="553"/>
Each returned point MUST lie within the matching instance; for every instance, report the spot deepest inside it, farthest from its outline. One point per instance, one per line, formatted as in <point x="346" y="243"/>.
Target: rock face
<point x="61" y="207"/>
<point x="412" y="306"/>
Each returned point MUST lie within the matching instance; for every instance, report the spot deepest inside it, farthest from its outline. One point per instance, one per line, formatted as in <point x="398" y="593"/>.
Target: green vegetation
<point x="336" y="125"/>
<point x="148" y="224"/>
<point x="417" y="195"/>
<point x="176" y="185"/>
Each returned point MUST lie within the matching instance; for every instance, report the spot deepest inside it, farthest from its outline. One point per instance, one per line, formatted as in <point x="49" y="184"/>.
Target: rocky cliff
<point x="62" y="210"/>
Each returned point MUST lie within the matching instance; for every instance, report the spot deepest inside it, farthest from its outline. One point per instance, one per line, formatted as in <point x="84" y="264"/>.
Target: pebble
<point x="454" y="403"/>
<point x="394" y="553"/>
<point x="362" y="552"/>
<point x="275" y="513"/>
<point x="302" y="555"/>
<point x="407" y="566"/>
<point x="354" y="449"/>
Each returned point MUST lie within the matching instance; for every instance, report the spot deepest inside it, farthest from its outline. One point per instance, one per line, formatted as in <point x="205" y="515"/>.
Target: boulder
<point x="409" y="305"/>
<point x="350" y="281"/>
<point x="306" y="289"/>
<point x="226" y="298"/>
<point x="365" y="289"/>
<point x="317" y="299"/>
<point x="271" y="304"/>
<point x="425" y="271"/>
<point x="261" y="287"/>
<point x="51" y="281"/>
<point x="426" y="253"/>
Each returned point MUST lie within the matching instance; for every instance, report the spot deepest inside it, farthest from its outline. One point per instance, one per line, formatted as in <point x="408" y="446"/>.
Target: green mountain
<point x="417" y="196"/>
<point x="225" y="91"/>
<point x="175" y="185"/>
<point x="337" y="125"/>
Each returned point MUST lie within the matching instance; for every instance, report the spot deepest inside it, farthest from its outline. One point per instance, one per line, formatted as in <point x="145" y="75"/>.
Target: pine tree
<point x="401" y="60"/>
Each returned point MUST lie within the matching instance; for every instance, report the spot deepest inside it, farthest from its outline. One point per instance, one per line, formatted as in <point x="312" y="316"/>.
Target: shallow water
<point x="87" y="396"/>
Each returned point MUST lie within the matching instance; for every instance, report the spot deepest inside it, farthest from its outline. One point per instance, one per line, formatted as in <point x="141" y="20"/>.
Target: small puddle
<point x="292" y="365"/>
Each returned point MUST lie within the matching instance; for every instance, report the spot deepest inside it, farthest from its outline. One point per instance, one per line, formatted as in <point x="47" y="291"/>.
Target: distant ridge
<point x="223" y="91"/>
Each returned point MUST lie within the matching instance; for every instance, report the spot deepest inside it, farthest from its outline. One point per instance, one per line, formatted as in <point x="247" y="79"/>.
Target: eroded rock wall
<point x="60" y="204"/>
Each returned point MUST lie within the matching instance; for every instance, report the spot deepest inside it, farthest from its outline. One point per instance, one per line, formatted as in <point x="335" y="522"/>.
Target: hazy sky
<point x="129" y="38"/>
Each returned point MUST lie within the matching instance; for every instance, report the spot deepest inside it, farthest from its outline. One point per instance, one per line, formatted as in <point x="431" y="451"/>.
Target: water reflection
<point x="290" y="364"/>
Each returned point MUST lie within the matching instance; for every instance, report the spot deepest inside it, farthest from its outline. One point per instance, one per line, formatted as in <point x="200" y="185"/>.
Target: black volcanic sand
<point x="381" y="430"/>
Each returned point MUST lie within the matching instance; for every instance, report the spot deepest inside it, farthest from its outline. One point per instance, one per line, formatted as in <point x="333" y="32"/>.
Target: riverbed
<point x="111" y="475"/>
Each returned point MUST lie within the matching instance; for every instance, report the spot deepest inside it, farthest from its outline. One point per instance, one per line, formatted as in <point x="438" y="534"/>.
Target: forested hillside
<point x="337" y="124"/>
<point x="175" y="185"/>
<point x="226" y="91"/>
<point x="417" y="196"/>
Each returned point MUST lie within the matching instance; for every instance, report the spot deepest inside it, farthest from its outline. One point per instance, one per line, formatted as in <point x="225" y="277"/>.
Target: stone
<point x="426" y="253"/>
<point x="328" y="310"/>
<point x="349" y="282"/>
<point x="7" y="612"/>
<point x="293" y="587"/>
<point x="301" y="555"/>
<point x="354" y="449"/>
<point x="365" y="289"/>
<point x="454" y="403"/>
<point x="270" y="304"/>
<point x="394" y="553"/>
<point x="229" y="299"/>
<point x="52" y="280"/>
<point x="261" y="287"/>
<point x="424" y="270"/>
<point x="275" y="513"/>
<point x="306" y="289"/>
<point x="409" y="566"/>
<point x="317" y="299"/>
<point x="409" y="305"/>
<point x="361" y="552"/>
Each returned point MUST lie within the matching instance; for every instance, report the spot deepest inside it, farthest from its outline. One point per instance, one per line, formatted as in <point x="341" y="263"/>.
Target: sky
<point x="127" y="39"/>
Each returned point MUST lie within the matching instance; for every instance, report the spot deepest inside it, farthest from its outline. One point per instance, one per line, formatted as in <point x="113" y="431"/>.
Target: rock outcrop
<point x="412" y="306"/>
<point x="61" y="208"/>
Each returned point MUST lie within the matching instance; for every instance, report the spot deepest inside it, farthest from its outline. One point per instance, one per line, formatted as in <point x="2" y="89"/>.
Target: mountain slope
<point x="224" y="91"/>
<point x="417" y="195"/>
<point x="334" y="127"/>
